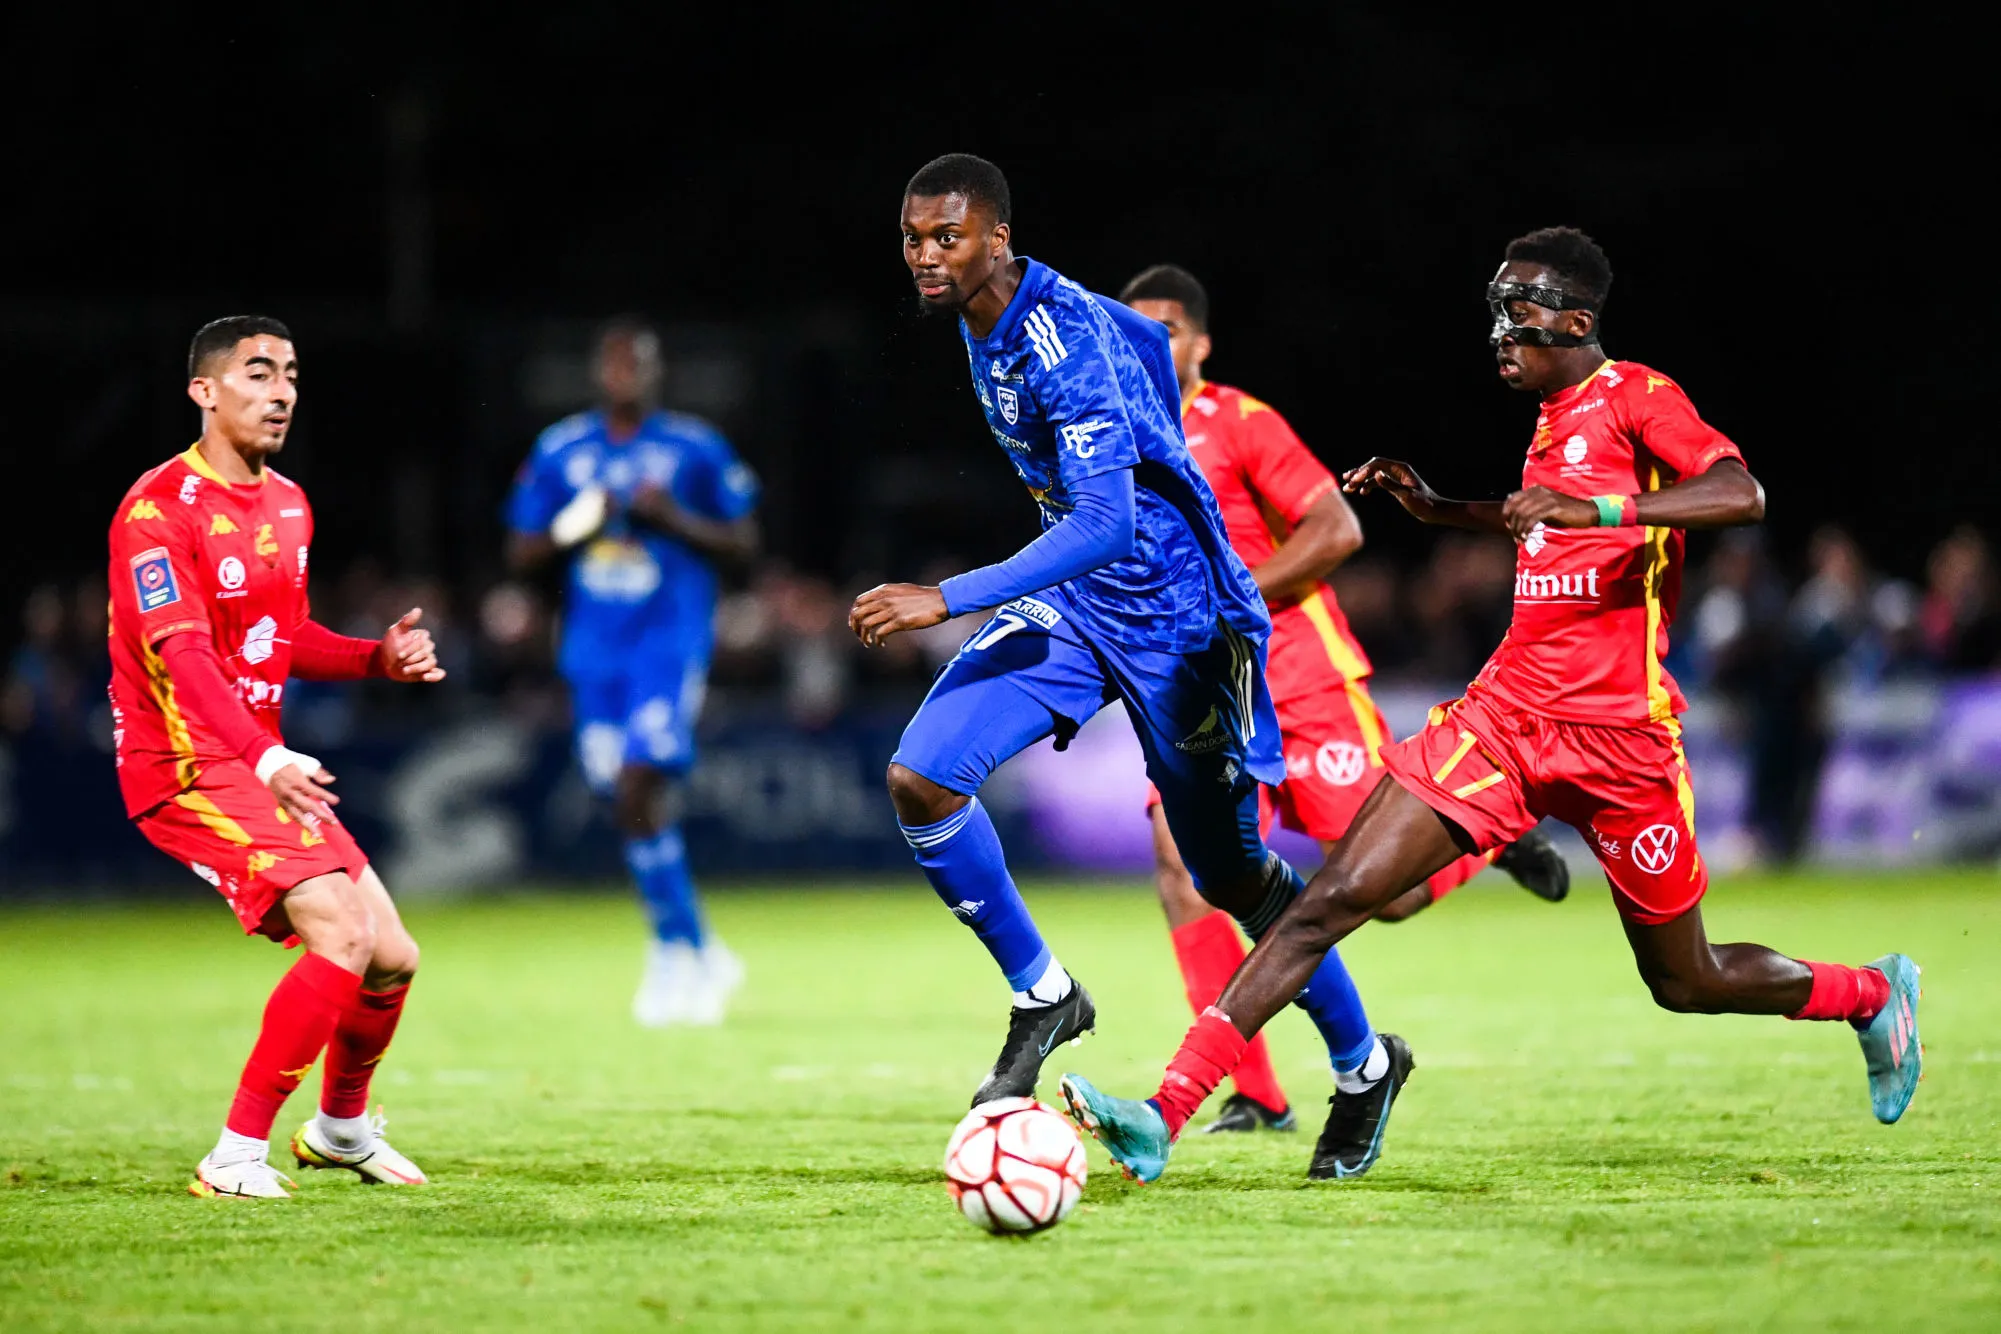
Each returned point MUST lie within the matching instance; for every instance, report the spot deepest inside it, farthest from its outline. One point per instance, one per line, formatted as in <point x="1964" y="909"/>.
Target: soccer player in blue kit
<point x="642" y="502"/>
<point x="1132" y="592"/>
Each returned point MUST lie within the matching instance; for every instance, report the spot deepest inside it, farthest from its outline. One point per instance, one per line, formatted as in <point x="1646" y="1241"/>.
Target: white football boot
<point x="723" y="970"/>
<point x="375" y="1162"/>
<point x="246" y="1179"/>
<point x="673" y="988"/>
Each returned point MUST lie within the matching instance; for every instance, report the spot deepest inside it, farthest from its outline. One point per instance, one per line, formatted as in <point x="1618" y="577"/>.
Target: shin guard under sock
<point x="299" y="1020"/>
<point x="1209" y="950"/>
<point x="961" y="857"/>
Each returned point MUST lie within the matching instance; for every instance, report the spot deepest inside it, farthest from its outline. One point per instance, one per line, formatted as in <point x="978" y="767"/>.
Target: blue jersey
<point x="1075" y="384"/>
<point x="632" y="589"/>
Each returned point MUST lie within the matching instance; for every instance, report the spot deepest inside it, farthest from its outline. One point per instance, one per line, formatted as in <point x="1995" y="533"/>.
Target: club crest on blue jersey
<point x="153" y="579"/>
<point x="1010" y="405"/>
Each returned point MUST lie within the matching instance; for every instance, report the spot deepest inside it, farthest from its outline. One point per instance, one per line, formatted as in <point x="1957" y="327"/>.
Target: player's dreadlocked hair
<point x="218" y="338"/>
<point x="1171" y="282"/>
<point x="1575" y="258"/>
<point x="979" y="180"/>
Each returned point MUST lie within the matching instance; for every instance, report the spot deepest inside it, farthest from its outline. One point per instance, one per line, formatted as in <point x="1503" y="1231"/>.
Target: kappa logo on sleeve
<point x="143" y="509"/>
<point x="153" y="579"/>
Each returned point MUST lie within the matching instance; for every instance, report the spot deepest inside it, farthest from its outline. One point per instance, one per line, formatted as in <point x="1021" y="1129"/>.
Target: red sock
<point x="1211" y="1049"/>
<point x="298" y="1020"/>
<point x="359" y="1040"/>
<point x="1841" y="992"/>
<point x="1209" y="950"/>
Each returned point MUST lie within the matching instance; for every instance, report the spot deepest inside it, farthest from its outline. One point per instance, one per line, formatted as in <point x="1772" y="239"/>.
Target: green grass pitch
<point x="1565" y="1157"/>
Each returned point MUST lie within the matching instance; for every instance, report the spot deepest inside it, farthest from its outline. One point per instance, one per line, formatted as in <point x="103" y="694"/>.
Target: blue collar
<point x="1036" y="279"/>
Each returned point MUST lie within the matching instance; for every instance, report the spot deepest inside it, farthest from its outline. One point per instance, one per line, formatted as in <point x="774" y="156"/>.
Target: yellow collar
<point x="195" y="461"/>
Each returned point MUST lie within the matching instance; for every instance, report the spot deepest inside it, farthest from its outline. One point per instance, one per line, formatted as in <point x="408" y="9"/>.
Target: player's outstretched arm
<point x="1327" y="534"/>
<point x="1100" y="528"/>
<point x="1724" y="495"/>
<point x="404" y="653"/>
<point x="1401" y="480"/>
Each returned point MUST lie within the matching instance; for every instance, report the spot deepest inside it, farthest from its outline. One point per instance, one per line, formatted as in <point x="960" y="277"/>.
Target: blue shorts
<point x="1205" y="720"/>
<point x="643" y="716"/>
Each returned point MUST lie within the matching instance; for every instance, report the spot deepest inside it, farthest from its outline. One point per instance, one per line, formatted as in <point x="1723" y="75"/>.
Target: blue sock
<point x="660" y="866"/>
<point x="961" y="857"/>
<point x="1329" y="997"/>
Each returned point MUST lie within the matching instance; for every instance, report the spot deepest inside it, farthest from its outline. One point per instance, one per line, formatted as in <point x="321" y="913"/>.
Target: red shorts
<point x="1331" y="740"/>
<point x="232" y="832"/>
<point x="1495" y="771"/>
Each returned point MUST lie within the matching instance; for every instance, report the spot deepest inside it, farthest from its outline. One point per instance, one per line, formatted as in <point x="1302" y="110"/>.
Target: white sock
<point x="1366" y="1075"/>
<point x="235" y="1148"/>
<point x="346" y="1133"/>
<point x="1051" y="987"/>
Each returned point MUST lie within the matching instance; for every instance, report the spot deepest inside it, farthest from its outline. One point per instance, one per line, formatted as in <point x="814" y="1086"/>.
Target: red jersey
<point x="191" y="552"/>
<point x="1264" y="480"/>
<point x="1593" y="605"/>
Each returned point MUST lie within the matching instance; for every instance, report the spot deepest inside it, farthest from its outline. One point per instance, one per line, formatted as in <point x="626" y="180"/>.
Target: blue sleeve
<point x="722" y="486"/>
<point x="539" y="491"/>
<point x="1099" y="529"/>
<point x="1079" y="393"/>
<point x="1149" y="339"/>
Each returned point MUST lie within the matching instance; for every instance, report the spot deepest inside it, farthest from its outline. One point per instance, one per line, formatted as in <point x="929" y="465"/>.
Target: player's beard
<point x="953" y="307"/>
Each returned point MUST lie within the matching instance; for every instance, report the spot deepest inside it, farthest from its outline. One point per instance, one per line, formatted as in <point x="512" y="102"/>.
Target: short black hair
<point x="1170" y="282"/>
<point x="979" y="180"/>
<point x="218" y="338"/>
<point x="635" y="327"/>
<point x="1575" y="258"/>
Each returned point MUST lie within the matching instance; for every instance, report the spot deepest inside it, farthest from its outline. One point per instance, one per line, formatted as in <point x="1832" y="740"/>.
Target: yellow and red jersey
<point x="193" y="553"/>
<point x="1265" y="480"/>
<point x="1593" y="605"/>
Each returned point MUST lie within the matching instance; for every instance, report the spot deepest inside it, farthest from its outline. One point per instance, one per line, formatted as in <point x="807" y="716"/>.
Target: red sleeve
<point x="318" y="654"/>
<point x="155" y="559"/>
<point x="203" y="693"/>
<point x="1280" y="468"/>
<point x="1661" y="415"/>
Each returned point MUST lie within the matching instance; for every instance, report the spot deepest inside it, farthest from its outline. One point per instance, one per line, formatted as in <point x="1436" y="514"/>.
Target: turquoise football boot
<point x="1890" y="1041"/>
<point x="1133" y="1132"/>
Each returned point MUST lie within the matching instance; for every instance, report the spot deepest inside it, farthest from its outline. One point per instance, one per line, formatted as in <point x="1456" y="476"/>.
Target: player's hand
<point x="408" y="653"/>
<point x="887" y="609"/>
<point x="1398" y="479"/>
<point x="1523" y="510"/>
<point x="304" y="796"/>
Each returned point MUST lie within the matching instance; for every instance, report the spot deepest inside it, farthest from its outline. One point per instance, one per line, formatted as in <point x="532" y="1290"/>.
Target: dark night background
<point x="435" y="203"/>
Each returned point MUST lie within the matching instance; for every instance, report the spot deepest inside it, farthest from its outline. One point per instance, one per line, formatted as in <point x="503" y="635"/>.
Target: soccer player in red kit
<point x="1288" y="521"/>
<point x="1574" y="715"/>
<point x="208" y="619"/>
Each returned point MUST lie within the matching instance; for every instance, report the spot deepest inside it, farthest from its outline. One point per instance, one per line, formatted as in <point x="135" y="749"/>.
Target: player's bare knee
<point x="1398" y="909"/>
<point x="637" y="802"/>
<point x="1681" y="994"/>
<point x="346" y="934"/>
<point x="918" y="800"/>
<point x="394" y="962"/>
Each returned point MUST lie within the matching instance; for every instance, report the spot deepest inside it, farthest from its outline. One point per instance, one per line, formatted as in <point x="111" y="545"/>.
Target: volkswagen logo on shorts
<point x="1341" y="763"/>
<point x="1655" y="847"/>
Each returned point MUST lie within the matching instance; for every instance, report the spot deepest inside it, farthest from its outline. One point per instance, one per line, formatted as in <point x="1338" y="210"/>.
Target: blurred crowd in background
<point x="1759" y="635"/>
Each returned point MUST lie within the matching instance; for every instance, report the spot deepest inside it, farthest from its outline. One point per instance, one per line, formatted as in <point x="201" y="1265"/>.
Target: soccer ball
<point x="1014" y="1165"/>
